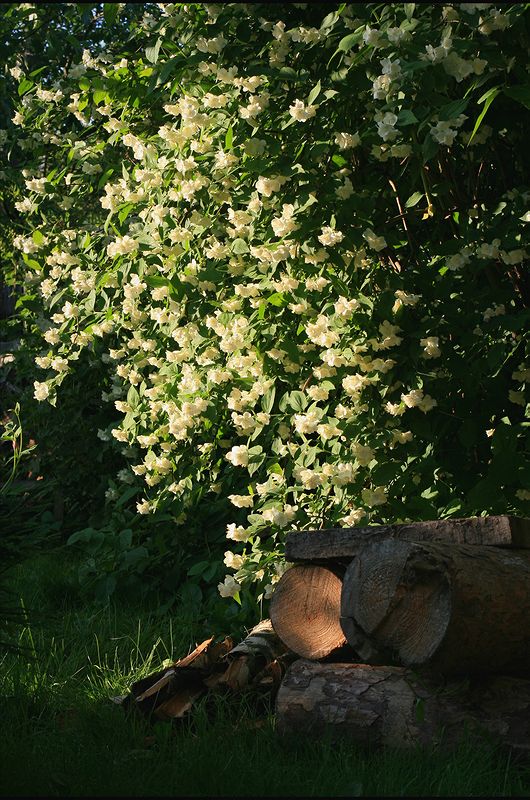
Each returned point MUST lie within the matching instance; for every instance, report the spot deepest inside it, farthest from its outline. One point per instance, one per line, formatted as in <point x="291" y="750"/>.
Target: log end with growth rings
<point x="305" y="610"/>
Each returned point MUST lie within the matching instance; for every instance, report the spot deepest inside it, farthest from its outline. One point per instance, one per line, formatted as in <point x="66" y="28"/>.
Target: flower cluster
<point x="278" y="266"/>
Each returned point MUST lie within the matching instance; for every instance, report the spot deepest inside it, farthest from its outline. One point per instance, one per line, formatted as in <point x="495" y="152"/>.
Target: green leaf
<point x="125" y="539"/>
<point x="414" y="199"/>
<point x="519" y="93"/>
<point x="429" y="148"/>
<point x="169" y="67"/>
<point x="350" y="40"/>
<point x="239" y="246"/>
<point x="24" y="86"/>
<point x="244" y="32"/>
<point x="151" y="53"/>
<point x="229" y="138"/>
<point x="406" y="117"/>
<point x="297" y="401"/>
<point x="99" y="96"/>
<point x="133" y="397"/>
<point x="199" y="568"/>
<point x="329" y="20"/>
<point x="487" y="99"/>
<point x="267" y="401"/>
<point x="38" y="237"/>
<point x="277" y="299"/>
<point x="313" y="94"/>
<point x="110" y="12"/>
<point x="131" y="491"/>
<point x="339" y="160"/>
<point x="452" y="110"/>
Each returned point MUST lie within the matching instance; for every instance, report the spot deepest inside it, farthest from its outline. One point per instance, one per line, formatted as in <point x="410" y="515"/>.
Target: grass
<point x="63" y="737"/>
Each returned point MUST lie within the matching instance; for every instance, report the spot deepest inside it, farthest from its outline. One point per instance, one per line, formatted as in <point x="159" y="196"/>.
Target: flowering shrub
<point x="292" y="239"/>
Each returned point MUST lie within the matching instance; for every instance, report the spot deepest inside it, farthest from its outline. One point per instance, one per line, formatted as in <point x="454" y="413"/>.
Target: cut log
<point x="305" y="610"/>
<point x="457" y="608"/>
<point x="334" y="543"/>
<point x="392" y="707"/>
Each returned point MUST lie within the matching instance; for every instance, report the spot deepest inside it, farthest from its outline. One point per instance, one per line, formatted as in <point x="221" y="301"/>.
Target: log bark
<point x="390" y="706"/>
<point x="305" y="610"/>
<point x="503" y="531"/>
<point x="457" y="608"/>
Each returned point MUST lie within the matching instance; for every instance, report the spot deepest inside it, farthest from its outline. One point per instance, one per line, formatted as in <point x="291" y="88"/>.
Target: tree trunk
<point x="305" y="610"/>
<point x="346" y="542"/>
<point x="392" y="707"/>
<point x="456" y="608"/>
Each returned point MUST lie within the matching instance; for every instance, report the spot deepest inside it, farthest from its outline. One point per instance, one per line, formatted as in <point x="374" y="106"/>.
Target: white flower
<point x="280" y="517"/>
<point x="122" y="246"/>
<point x="413" y="398"/>
<point x="52" y="336"/>
<point x="404" y="299"/>
<point x="59" y="364"/>
<point x="470" y="8"/>
<point x="457" y="67"/>
<point x="241" y="500"/>
<point x="266" y="186"/>
<point x="307" y="423"/>
<point x="486" y="250"/>
<point x="343" y="474"/>
<point x="430" y="347"/>
<point x="363" y="454"/>
<point x="400" y="437"/>
<point x="237" y="533"/>
<point x="345" y="190"/>
<point x="238" y="456"/>
<point x="373" y="37"/>
<point x="41" y="390"/>
<point x="353" y="384"/>
<point x="328" y="431"/>
<point x="232" y="561"/>
<point x="376" y="243"/>
<point x="353" y="518"/>
<point x="229" y="588"/>
<point x="443" y="133"/>
<point x="513" y="257"/>
<point x="497" y="21"/>
<point x="347" y="141"/>
<point x="395" y="35"/>
<point x="395" y="409"/>
<point x="319" y="333"/>
<point x="385" y="126"/>
<point x="285" y="224"/>
<point x="70" y="311"/>
<point x="427" y="404"/>
<point x="330" y="236"/>
<point x="300" y="112"/>
<point x="400" y="150"/>
<point x="211" y="45"/>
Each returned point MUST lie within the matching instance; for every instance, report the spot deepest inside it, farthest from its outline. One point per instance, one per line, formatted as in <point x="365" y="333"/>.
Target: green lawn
<point x="63" y="737"/>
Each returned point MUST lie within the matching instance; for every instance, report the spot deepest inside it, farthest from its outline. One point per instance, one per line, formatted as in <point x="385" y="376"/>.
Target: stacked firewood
<point x="408" y="634"/>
